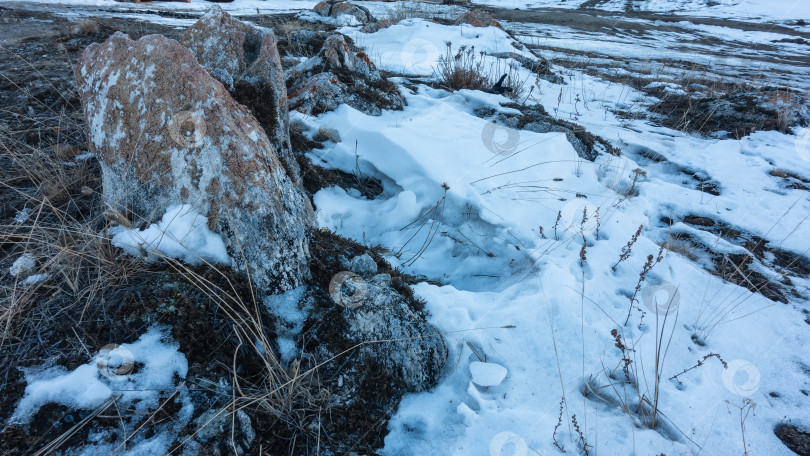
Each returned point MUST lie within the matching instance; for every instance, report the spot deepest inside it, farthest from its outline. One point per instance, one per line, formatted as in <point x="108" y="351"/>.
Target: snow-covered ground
<point x="770" y="10"/>
<point x="530" y="304"/>
<point x="525" y="237"/>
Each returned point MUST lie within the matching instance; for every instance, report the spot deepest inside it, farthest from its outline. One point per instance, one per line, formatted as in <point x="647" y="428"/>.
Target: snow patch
<point x="182" y="233"/>
<point x="22" y="264"/>
<point x="89" y="385"/>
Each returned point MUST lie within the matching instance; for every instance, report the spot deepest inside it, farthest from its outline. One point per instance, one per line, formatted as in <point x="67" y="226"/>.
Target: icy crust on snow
<point x="182" y="233"/>
<point x="487" y="374"/>
<point x="86" y="387"/>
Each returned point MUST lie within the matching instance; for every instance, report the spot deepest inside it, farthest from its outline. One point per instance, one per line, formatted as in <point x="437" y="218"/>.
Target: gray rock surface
<point x="364" y="265"/>
<point x="388" y="335"/>
<point x="245" y="59"/>
<point x="167" y="133"/>
<point x="336" y="8"/>
<point x="338" y="74"/>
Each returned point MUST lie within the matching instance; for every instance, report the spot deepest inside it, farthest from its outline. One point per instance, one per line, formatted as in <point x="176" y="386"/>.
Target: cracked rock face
<point x="338" y="75"/>
<point x="166" y="133"/>
<point x="245" y="59"/>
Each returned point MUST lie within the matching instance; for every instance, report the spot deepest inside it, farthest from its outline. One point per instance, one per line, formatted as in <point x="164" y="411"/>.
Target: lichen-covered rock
<point x="342" y="75"/>
<point x="335" y="9"/>
<point x="364" y="265"/>
<point x="478" y="18"/>
<point x="320" y="93"/>
<point x="373" y="27"/>
<point x="245" y="59"/>
<point x="167" y="133"/>
<point x="388" y="334"/>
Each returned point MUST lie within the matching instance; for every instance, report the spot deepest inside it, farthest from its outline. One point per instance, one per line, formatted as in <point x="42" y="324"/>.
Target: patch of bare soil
<point x="711" y="100"/>
<point x="746" y="269"/>
<point x="798" y="441"/>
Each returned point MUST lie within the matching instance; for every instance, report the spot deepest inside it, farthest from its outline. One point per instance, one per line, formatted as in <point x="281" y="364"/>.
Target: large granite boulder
<point x="168" y="133"/>
<point x="245" y="59"/>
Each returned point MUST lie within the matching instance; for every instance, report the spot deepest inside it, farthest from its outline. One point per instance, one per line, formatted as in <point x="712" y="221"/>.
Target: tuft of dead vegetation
<point x="85" y="27"/>
<point x="324" y="134"/>
<point x="468" y="69"/>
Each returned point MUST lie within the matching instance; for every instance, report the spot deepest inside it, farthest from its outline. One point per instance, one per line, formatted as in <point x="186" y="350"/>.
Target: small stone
<point x="364" y="265"/>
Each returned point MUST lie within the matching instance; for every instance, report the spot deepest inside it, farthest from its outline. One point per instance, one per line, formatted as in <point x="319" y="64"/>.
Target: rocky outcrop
<point x="168" y="133"/>
<point x="338" y="74"/>
<point x="403" y="346"/>
<point x="336" y="8"/>
<point x="535" y="118"/>
<point x="370" y="324"/>
<point x="245" y="59"/>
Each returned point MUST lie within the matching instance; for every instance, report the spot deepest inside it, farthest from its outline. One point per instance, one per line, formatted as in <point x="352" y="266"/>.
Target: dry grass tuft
<point x="324" y="134"/>
<point x="85" y="27"/>
<point x="468" y="69"/>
